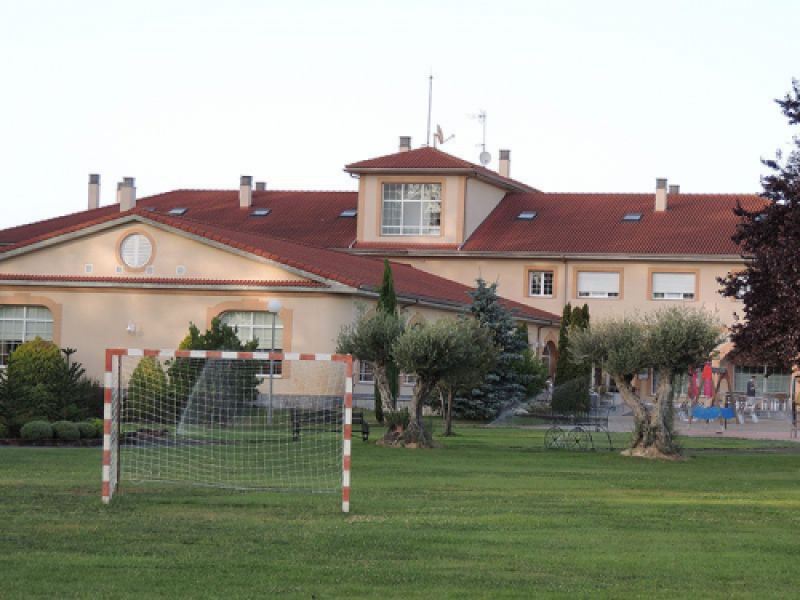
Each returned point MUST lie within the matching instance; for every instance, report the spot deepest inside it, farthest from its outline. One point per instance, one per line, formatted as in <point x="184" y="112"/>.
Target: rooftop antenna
<point x="439" y="136"/>
<point x="430" y="104"/>
<point x="485" y="157"/>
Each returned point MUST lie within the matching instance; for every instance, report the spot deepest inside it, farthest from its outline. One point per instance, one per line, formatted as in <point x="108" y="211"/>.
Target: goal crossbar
<point x="116" y="395"/>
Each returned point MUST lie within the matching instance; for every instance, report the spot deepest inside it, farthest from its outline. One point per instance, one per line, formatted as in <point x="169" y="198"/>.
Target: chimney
<point x="405" y="143"/>
<point x="245" y="191"/>
<point x="505" y="163"/>
<point x="127" y="194"/>
<point x="674" y="189"/>
<point x="261" y="186"/>
<point x="94" y="191"/>
<point x="119" y="190"/>
<point x="661" y="195"/>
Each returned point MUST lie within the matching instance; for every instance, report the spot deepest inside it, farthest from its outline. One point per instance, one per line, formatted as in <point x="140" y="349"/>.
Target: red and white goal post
<point x="239" y="420"/>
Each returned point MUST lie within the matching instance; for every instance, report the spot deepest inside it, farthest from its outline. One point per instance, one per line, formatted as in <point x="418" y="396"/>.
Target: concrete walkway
<point x="765" y="429"/>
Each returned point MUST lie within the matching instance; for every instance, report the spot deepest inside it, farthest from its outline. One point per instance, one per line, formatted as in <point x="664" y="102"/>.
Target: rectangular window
<point x="540" y="283"/>
<point x="406" y="379"/>
<point x="411" y="208"/>
<point x="596" y="284"/>
<point x="674" y="286"/>
<point x="777" y="380"/>
<point x="258" y="325"/>
<point x="19" y="324"/>
<point x="365" y="372"/>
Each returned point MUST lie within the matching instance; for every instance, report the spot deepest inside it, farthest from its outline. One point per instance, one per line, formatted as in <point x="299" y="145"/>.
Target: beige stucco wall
<point x="170" y="250"/>
<point x="481" y="199"/>
<point x="93" y="319"/>
<point x="512" y="279"/>
<point x="370" y="202"/>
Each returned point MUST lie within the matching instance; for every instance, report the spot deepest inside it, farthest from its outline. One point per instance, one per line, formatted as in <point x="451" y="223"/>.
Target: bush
<point x="67" y="431"/>
<point x="3" y="430"/>
<point x="99" y="425"/>
<point x="571" y="397"/>
<point x="87" y="430"/>
<point x="36" y="430"/>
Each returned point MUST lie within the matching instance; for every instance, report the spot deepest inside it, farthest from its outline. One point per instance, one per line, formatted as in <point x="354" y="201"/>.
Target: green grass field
<point x="488" y="515"/>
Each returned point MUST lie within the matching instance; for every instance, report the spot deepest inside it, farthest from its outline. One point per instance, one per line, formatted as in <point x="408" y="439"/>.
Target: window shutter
<point x="673" y="283"/>
<point x="589" y="281"/>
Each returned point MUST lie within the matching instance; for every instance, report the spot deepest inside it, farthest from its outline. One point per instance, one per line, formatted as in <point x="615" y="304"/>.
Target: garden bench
<point x="326" y="419"/>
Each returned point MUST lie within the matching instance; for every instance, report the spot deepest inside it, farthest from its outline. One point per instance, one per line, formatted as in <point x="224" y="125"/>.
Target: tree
<point x="562" y="374"/>
<point x="769" y="236"/>
<point x="504" y="384"/>
<point x="184" y="372"/>
<point x="435" y="352"/>
<point x="471" y="372"/>
<point x="669" y="341"/>
<point x="573" y="374"/>
<point x="387" y="303"/>
<point x="147" y="390"/>
<point x="370" y="339"/>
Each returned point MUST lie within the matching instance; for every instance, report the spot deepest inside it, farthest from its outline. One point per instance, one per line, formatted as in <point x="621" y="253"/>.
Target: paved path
<point x="765" y="429"/>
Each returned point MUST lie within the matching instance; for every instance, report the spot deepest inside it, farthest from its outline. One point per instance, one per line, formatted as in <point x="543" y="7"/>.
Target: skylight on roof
<point x="348" y="212"/>
<point x="260" y="212"/>
<point x="178" y="211"/>
<point x="527" y="215"/>
<point x="150" y="208"/>
<point x="632" y="216"/>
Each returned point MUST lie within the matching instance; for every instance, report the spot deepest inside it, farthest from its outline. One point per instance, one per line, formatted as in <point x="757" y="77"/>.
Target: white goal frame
<point x="111" y="412"/>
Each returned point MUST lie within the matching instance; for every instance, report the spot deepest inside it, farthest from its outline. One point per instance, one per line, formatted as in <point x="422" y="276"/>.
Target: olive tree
<point x="370" y="339"/>
<point x="434" y="352"/>
<point x="669" y="341"/>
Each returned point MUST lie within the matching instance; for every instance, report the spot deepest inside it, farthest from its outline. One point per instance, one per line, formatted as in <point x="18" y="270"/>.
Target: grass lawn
<point x="489" y="515"/>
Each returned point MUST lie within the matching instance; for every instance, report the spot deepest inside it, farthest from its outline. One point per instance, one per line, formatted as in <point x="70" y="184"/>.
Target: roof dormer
<point x="425" y="196"/>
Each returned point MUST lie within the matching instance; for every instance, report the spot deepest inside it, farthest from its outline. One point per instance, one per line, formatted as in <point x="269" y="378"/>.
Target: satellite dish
<point x="485" y="158"/>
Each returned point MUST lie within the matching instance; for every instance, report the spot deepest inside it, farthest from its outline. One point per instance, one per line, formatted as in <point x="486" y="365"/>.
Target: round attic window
<point x="136" y="250"/>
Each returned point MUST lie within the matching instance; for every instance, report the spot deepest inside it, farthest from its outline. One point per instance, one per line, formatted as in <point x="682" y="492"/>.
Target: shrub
<point x="99" y="426"/>
<point x="67" y="431"/>
<point x="3" y="430"/>
<point x="36" y="430"/>
<point x="87" y="430"/>
<point x="571" y="397"/>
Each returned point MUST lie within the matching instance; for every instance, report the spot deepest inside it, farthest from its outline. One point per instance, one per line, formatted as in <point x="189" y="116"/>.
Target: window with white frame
<point x="18" y="324"/>
<point x="540" y="283"/>
<point x="408" y="379"/>
<point x="598" y="284"/>
<point x="674" y="286"/>
<point x="768" y="380"/>
<point x="411" y="208"/>
<point x="365" y="372"/>
<point x="257" y="325"/>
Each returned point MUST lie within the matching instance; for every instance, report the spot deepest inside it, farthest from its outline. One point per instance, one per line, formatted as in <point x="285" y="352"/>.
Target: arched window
<point x="19" y="324"/>
<point x="251" y="325"/>
<point x="548" y="356"/>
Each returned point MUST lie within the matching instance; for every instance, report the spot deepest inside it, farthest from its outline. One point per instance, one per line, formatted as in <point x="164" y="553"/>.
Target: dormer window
<point x="411" y="208"/>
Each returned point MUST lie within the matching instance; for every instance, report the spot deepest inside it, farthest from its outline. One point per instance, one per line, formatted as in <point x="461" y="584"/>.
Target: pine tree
<point x="387" y="303"/>
<point x="503" y="385"/>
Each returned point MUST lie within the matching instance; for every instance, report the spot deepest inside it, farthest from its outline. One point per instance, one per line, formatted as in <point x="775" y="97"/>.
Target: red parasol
<point x="708" y="386"/>
<point x="693" y="390"/>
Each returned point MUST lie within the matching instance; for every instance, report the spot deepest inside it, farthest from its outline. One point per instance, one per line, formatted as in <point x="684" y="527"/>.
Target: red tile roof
<point x="427" y="158"/>
<point x="308" y="217"/>
<point x="694" y="224"/>
<point x="167" y="281"/>
<point x="359" y="272"/>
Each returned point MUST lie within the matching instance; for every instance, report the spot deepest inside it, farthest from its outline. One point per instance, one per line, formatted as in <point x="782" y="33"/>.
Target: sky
<point x="588" y="96"/>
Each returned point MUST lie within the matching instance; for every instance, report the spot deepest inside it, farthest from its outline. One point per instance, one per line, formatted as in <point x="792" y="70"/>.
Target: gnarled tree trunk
<point x="653" y="427"/>
<point x="384" y="387"/>
<point x="416" y="434"/>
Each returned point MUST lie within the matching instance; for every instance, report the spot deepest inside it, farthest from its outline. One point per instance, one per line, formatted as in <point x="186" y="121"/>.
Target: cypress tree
<point x="387" y="303"/>
<point x="564" y="365"/>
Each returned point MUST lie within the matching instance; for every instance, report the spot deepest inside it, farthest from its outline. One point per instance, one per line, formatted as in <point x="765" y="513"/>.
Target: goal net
<point x="239" y="420"/>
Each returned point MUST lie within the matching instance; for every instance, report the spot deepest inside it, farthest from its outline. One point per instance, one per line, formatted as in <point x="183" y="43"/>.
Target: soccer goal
<point x="238" y="420"/>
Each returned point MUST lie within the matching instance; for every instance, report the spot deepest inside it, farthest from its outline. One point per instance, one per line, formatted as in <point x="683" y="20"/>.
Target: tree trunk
<point x="384" y="388"/>
<point x="416" y="435"/>
<point x="448" y="428"/>
<point x="653" y="428"/>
